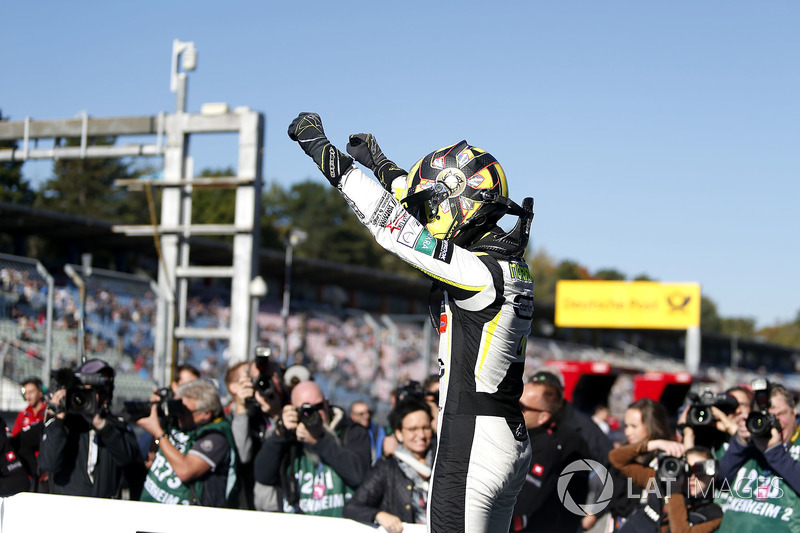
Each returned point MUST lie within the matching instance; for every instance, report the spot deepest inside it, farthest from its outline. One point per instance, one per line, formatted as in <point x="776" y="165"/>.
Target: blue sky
<point x="655" y="137"/>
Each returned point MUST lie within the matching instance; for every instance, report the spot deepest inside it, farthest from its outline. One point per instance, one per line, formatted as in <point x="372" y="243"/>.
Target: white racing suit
<point x="483" y="449"/>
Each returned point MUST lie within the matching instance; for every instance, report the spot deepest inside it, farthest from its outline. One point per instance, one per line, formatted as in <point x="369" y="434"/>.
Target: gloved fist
<point x="364" y="148"/>
<point x="307" y="130"/>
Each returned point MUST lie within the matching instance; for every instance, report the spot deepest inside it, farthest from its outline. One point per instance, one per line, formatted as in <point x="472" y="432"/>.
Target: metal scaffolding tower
<point x="175" y="227"/>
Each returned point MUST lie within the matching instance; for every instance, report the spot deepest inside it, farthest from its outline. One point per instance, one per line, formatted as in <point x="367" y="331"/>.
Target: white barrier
<point x="29" y="512"/>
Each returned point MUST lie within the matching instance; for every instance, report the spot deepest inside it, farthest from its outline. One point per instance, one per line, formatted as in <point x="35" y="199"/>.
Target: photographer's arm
<point x="784" y="465"/>
<point x="119" y="440"/>
<point x="350" y="460"/>
<point x="186" y="467"/>
<point x="730" y="463"/>
<point x="51" y="449"/>
<point x="267" y="463"/>
<point x="240" y="423"/>
<point x="624" y="460"/>
<point x="679" y="518"/>
<point x="240" y="426"/>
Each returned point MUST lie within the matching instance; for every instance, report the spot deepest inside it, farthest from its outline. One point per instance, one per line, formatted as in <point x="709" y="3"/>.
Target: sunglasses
<point x="534" y="409"/>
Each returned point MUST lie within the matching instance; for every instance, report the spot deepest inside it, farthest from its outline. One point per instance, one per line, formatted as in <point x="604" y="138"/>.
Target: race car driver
<point x="442" y="219"/>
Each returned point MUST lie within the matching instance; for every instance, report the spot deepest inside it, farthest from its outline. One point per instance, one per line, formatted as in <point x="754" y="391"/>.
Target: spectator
<point x="196" y="462"/>
<point x="683" y="503"/>
<point x="762" y="472"/>
<point x="27" y="431"/>
<point x="317" y="443"/>
<point x="409" y="389"/>
<point x="554" y="446"/>
<point x="600" y="417"/>
<point x="395" y="490"/>
<point x="184" y="374"/>
<point x="13" y="478"/>
<point x="645" y="425"/>
<point x="34" y="412"/>
<point x="85" y="453"/>
<point x="598" y="442"/>
<point x="360" y="413"/>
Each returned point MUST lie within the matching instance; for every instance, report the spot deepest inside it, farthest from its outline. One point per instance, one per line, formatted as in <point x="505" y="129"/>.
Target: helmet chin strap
<point x="511" y="244"/>
<point x="421" y="205"/>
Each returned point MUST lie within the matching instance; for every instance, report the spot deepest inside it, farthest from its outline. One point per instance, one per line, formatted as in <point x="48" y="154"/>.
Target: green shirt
<point x="759" y="500"/>
<point x="321" y="490"/>
<point x="162" y="484"/>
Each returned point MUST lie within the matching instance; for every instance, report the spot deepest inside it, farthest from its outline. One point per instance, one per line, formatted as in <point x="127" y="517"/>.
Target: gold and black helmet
<point x="456" y="187"/>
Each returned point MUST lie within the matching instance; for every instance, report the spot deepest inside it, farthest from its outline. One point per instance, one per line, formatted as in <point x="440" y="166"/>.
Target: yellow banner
<point x="627" y="304"/>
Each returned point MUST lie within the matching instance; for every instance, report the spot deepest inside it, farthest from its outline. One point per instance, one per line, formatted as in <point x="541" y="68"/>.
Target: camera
<point x="82" y="390"/>
<point x="411" y="389"/>
<point x="309" y="416"/>
<point x="669" y="467"/>
<point x="263" y="383"/>
<point x="699" y="413"/>
<point x="760" y="421"/>
<point x="168" y="406"/>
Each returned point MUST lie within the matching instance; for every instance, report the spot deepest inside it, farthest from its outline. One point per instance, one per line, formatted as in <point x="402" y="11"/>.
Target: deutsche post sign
<point x="627" y="304"/>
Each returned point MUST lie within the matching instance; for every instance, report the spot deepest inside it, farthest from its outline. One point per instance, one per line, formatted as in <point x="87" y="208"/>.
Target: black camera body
<point x="309" y="416"/>
<point x="168" y="406"/>
<point x="410" y="389"/>
<point x="82" y="390"/>
<point x="669" y="467"/>
<point x="760" y="421"/>
<point x="263" y="383"/>
<point x="699" y="413"/>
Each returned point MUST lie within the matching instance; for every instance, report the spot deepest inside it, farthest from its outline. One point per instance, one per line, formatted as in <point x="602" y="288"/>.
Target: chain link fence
<point x="118" y="315"/>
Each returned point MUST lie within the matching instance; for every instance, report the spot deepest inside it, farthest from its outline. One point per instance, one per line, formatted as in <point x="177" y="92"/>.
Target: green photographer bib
<point x="759" y="500"/>
<point x="162" y="485"/>
<point x="321" y="490"/>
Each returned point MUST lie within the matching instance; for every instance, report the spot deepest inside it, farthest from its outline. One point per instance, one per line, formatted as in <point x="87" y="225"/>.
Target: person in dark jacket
<point x="86" y="454"/>
<point x="316" y="454"/>
<point x="554" y="446"/>
<point x="13" y="477"/>
<point x="395" y="490"/>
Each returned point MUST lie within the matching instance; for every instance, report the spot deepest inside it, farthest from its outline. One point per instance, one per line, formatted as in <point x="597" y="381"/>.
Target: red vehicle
<point x="588" y="383"/>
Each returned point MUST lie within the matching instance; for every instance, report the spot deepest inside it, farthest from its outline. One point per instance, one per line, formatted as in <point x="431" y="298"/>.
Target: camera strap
<point x="91" y="459"/>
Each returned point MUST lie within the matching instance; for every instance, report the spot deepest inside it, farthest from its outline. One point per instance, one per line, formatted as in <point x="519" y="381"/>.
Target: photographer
<point x="761" y="470"/>
<point x="679" y="489"/>
<point x="84" y="447"/>
<point x="196" y="461"/>
<point x="710" y="420"/>
<point x="258" y="397"/>
<point x="316" y="454"/>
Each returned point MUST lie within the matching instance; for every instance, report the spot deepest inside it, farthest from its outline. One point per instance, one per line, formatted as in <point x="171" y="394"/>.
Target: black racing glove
<point x="364" y="148"/>
<point x="307" y="130"/>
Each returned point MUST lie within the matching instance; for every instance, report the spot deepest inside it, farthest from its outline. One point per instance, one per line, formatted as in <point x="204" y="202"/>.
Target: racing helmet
<point x="456" y="188"/>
